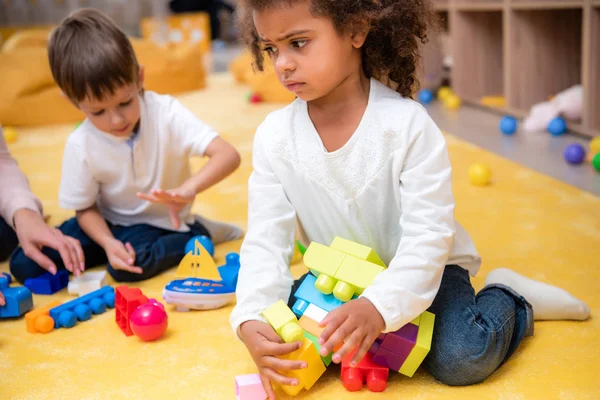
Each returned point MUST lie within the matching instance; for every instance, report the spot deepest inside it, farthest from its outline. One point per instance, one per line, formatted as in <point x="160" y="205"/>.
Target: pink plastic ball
<point x="149" y="321"/>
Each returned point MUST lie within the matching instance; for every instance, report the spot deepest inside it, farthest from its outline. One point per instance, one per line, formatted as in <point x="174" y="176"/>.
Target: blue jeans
<point x="474" y="334"/>
<point x="156" y="250"/>
<point x="8" y="240"/>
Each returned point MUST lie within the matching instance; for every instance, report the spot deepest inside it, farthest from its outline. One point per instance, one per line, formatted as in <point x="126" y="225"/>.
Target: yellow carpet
<point x="529" y="222"/>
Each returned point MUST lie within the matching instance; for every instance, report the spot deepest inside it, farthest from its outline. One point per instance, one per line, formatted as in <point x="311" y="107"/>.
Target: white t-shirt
<point x="102" y="169"/>
<point x="389" y="187"/>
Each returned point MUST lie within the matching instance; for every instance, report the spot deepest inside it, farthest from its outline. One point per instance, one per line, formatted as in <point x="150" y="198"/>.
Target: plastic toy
<point x="452" y="102"/>
<point x="198" y="264"/>
<point x="283" y="320"/>
<point x="443" y="93"/>
<point x="307" y="377"/>
<point x="10" y="135"/>
<point x="366" y="371"/>
<point x="204" y="241"/>
<point x="126" y="302"/>
<point x="596" y="162"/>
<point x="557" y="126"/>
<point x="18" y="299"/>
<point x="198" y="294"/>
<point x="338" y="272"/>
<point x="48" y="283"/>
<point x="595" y="145"/>
<point x="255" y="98"/>
<point x="87" y="283"/>
<point x="39" y="320"/>
<point x="66" y="315"/>
<point x="357" y="250"/>
<point x="480" y="174"/>
<point x="149" y="321"/>
<point x="308" y="294"/>
<point x="508" y="125"/>
<point x="574" y="154"/>
<point x="425" y="96"/>
<point x="493" y="101"/>
<point x="230" y="271"/>
<point x="249" y="387"/>
<point x="315" y="339"/>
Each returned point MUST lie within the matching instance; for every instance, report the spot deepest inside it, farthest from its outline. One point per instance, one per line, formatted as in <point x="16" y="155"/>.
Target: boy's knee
<point x="23" y="267"/>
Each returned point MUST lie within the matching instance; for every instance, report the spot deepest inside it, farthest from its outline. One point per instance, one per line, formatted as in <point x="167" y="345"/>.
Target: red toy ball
<point x="255" y="98"/>
<point x="149" y="321"/>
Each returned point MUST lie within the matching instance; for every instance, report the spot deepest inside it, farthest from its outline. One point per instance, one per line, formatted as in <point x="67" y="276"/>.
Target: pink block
<point x="249" y="387"/>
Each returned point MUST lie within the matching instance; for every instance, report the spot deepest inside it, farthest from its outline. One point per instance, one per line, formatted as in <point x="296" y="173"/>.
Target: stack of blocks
<point x="340" y="273"/>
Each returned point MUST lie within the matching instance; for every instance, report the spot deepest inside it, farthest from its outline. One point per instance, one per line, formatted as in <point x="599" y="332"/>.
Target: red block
<point x="126" y="301"/>
<point x="366" y="371"/>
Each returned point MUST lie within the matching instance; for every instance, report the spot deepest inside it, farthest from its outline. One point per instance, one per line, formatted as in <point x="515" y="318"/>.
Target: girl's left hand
<point x="357" y="324"/>
<point x="175" y="199"/>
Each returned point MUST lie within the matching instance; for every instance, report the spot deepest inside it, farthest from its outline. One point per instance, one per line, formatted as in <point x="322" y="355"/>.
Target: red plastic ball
<point x="149" y="321"/>
<point x="255" y="98"/>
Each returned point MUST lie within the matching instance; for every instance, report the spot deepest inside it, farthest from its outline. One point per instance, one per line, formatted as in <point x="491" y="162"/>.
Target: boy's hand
<point x="356" y="323"/>
<point x="265" y="346"/>
<point x="175" y="199"/>
<point x="121" y="256"/>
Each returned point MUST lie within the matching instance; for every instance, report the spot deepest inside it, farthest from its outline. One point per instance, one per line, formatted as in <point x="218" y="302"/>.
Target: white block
<point x="87" y="283"/>
<point x="315" y="313"/>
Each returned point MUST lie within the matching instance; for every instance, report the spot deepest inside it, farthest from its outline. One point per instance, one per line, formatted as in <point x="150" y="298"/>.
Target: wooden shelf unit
<point x="526" y="51"/>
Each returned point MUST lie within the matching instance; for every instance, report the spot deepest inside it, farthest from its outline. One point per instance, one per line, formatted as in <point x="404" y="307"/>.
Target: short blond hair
<point x="90" y="57"/>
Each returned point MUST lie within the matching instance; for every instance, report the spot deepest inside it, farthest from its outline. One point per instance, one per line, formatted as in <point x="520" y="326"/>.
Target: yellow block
<point x="416" y="321"/>
<point x="493" y="101"/>
<point x="357" y="250"/>
<point x="422" y="347"/>
<point x="353" y="276"/>
<point x="198" y="264"/>
<point x="307" y="377"/>
<point x="323" y="259"/>
<point x="283" y="320"/>
<point x="39" y="320"/>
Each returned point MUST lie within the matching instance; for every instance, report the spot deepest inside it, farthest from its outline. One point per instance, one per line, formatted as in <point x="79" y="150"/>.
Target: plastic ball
<point x="443" y="93"/>
<point x="596" y="162"/>
<point x="452" y="102"/>
<point x="574" y="154"/>
<point x="255" y="98"/>
<point x="508" y="125"/>
<point x="10" y="134"/>
<point x="204" y="241"/>
<point x="480" y="174"/>
<point x="557" y="126"/>
<point x="425" y="96"/>
<point x="595" y="145"/>
<point x="149" y="321"/>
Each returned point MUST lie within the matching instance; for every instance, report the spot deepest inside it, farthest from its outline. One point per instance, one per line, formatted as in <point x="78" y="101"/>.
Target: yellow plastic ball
<point x="10" y="134"/>
<point x="595" y="146"/>
<point x="480" y="174"/>
<point x="452" y="102"/>
<point x="443" y="93"/>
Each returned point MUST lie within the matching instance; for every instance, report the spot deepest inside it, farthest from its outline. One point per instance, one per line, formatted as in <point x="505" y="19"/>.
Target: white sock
<point x="221" y="231"/>
<point x="548" y="302"/>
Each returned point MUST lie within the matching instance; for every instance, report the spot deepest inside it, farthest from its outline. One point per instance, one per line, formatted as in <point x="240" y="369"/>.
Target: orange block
<point x="311" y="326"/>
<point x="39" y="320"/>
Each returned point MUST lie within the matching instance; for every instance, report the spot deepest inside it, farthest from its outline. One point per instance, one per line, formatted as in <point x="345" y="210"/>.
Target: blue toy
<point x="425" y="96"/>
<point x="229" y="272"/>
<point x="204" y="241"/>
<point x="557" y="126"/>
<point x="574" y="154"/>
<point x="508" y="125"/>
<point x="48" y="283"/>
<point x="66" y="315"/>
<point x="308" y="294"/>
<point x="198" y="294"/>
<point x="18" y="299"/>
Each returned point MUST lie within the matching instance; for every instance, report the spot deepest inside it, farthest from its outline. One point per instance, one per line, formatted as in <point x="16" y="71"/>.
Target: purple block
<point x="48" y="283"/>
<point x="402" y="341"/>
<point x="388" y="359"/>
<point x="375" y="346"/>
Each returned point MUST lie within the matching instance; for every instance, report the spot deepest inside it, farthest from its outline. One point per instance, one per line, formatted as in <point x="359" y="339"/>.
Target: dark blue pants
<point x="473" y="334"/>
<point x="8" y="240"/>
<point x="156" y="250"/>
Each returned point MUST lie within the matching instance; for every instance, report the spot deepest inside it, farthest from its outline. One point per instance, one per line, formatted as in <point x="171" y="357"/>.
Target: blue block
<point x="48" y="283"/>
<point x="230" y="271"/>
<point x="66" y="315"/>
<point x="18" y="299"/>
<point x="205" y="241"/>
<point x="307" y="294"/>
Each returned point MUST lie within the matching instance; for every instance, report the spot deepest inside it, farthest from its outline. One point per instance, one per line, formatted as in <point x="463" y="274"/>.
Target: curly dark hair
<point x="391" y="51"/>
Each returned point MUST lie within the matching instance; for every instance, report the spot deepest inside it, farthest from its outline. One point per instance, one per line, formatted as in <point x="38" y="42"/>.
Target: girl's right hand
<point x="265" y="346"/>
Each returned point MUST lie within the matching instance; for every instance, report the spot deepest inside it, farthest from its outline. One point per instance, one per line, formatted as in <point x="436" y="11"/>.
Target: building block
<point x="283" y="320"/>
<point x="422" y="347"/>
<point x="18" y="299"/>
<point x="401" y="341"/>
<point x="87" y="283"/>
<point x="307" y="377"/>
<point x="66" y="315"/>
<point x="308" y="294"/>
<point x="198" y="264"/>
<point x="126" y="301"/>
<point x="324" y="260"/>
<point x="249" y="387"/>
<point x="230" y="271"/>
<point x="48" y="283"/>
<point x="327" y="359"/>
<point x="416" y="321"/>
<point x="357" y="250"/>
<point x="315" y="313"/>
<point x="353" y="277"/>
<point x="366" y="371"/>
<point x="309" y="325"/>
<point x="39" y="320"/>
<point x="388" y="358"/>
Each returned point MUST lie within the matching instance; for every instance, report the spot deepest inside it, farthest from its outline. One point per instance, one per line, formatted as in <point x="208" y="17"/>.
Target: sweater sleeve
<point x="423" y="174"/>
<point x="268" y="246"/>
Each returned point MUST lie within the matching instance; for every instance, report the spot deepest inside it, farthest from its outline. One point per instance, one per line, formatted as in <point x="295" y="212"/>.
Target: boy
<point x="125" y="169"/>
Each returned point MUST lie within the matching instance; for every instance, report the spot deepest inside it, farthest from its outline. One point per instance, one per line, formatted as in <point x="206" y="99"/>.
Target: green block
<point x="326" y="360"/>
